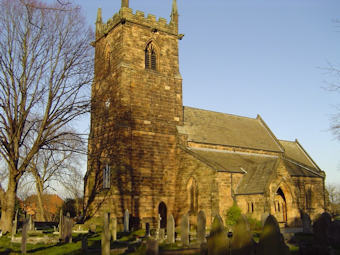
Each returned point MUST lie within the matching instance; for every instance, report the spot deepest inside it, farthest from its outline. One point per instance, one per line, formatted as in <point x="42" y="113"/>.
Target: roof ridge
<point x="306" y="153"/>
<point x="229" y="114"/>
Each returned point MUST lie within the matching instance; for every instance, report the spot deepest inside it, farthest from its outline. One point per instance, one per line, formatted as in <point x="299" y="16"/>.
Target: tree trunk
<point x="8" y="206"/>
<point x="40" y="199"/>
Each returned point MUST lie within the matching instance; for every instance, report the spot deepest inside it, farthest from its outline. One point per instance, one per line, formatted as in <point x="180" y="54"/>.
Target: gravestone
<point x="306" y="223"/>
<point x="24" y="235"/>
<point x="147" y="229"/>
<point x="106" y="236"/>
<point x="84" y="246"/>
<point x="15" y="224"/>
<point x="152" y="247"/>
<point x="321" y="229"/>
<point x="61" y="225"/>
<point x="334" y="233"/>
<point x="67" y="229"/>
<point x="217" y="240"/>
<point x="31" y="223"/>
<point x="158" y="226"/>
<point x="161" y="235"/>
<point x="113" y="228"/>
<point x="170" y="229"/>
<point x="201" y="225"/>
<point x="185" y="228"/>
<point x="242" y="242"/>
<point x="271" y="240"/>
<point x="126" y="220"/>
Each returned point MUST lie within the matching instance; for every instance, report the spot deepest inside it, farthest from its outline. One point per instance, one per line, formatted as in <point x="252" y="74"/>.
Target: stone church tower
<point x="136" y="106"/>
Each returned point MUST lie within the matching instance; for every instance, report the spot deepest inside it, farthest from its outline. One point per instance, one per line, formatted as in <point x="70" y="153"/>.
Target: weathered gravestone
<point x="31" y="223"/>
<point x="242" y="242"/>
<point x="170" y="231"/>
<point x="217" y="240"/>
<point x="152" y="247"/>
<point x="61" y="225"/>
<point x="161" y="235"/>
<point x="15" y="224"/>
<point x="334" y="233"/>
<point x="67" y="229"/>
<point x="113" y="227"/>
<point x="106" y="236"/>
<point x="24" y="235"/>
<point x="185" y="229"/>
<point x="201" y="225"/>
<point x="321" y="229"/>
<point x="126" y="220"/>
<point x="306" y="223"/>
<point x="271" y="240"/>
<point x="147" y="229"/>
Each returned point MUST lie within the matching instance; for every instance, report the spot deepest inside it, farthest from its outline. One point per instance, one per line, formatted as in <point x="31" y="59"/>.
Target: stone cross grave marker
<point x="185" y="228"/>
<point x="106" y="236"/>
<point x="126" y="220"/>
<point x="170" y="231"/>
<point x="271" y="240"/>
<point x="201" y="226"/>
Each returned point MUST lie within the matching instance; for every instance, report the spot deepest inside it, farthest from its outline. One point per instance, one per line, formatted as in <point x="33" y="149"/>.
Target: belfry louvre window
<point x="106" y="177"/>
<point x="150" y="57"/>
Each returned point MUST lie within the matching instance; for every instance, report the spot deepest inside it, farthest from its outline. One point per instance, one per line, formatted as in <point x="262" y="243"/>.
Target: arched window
<point x="106" y="177"/>
<point x="192" y="194"/>
<point x="309" y="198"/>
<point x="150" y="57"/>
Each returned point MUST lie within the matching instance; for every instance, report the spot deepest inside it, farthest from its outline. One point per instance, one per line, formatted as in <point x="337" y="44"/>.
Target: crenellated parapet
<point x="126" y="15"/>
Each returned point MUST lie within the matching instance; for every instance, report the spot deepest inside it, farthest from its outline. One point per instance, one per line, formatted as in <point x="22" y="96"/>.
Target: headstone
<point x="158" y="226"/>
<point x="201" y="225"/>
<point x="271" y="240"/>
<point x="321" y="229"/>
<point x="31" y="223"/>
<point x="67" y="229"/>
<point x="147" y="229"/>
<point x="24" y="235"/>
<point x="126" y="220"/>
<point x="61" y="225"/>
<point x="15" y="224"/>
<point x="242" y="242"/>
<point x="106" y="236"/>
<point x="161" y="235"/>
<point x="334" y="234"/>
<point x="113" y="224"/>
<point x="306" y="223"/>
<point x="170" y="229"/>
<point x="217" y="240"/>
<point x="185" y="230"/>
<point x="84" y="246"/>
<point x="152" y="247"/>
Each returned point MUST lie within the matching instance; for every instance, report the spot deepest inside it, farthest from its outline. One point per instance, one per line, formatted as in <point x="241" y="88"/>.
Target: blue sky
<point x="249" y="57"/>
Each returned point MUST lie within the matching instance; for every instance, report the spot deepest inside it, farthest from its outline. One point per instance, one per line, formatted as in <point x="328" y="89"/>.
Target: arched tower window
<point x="150" y="57"/>
<point x="193" y="195"/>
<point x="309" y="198"/>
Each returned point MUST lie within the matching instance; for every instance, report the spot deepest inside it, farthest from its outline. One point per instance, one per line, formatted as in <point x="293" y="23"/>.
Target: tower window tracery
<point x="150" y="57"/>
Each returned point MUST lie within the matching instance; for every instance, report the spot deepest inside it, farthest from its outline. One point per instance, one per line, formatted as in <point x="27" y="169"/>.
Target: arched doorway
<point x="162" y="211"/>
<point x="280" y="206"/>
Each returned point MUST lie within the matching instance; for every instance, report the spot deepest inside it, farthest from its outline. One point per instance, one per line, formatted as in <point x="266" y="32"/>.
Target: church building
<point x="151" y="155"/>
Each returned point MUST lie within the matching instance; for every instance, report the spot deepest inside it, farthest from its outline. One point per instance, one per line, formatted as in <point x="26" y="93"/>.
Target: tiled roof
<point x="298" y="170"/>
<point x="256" y="168"/>
<point x="224" y="129"/>
<point x="294" y="151"/>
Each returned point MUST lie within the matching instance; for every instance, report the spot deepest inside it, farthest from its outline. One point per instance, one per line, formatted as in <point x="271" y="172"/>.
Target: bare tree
<point x="46" y="65"/>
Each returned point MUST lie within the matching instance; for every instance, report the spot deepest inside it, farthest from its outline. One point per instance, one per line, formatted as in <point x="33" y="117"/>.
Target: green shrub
<point x="254" y="224"/>
<point x="233" y="214"/>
